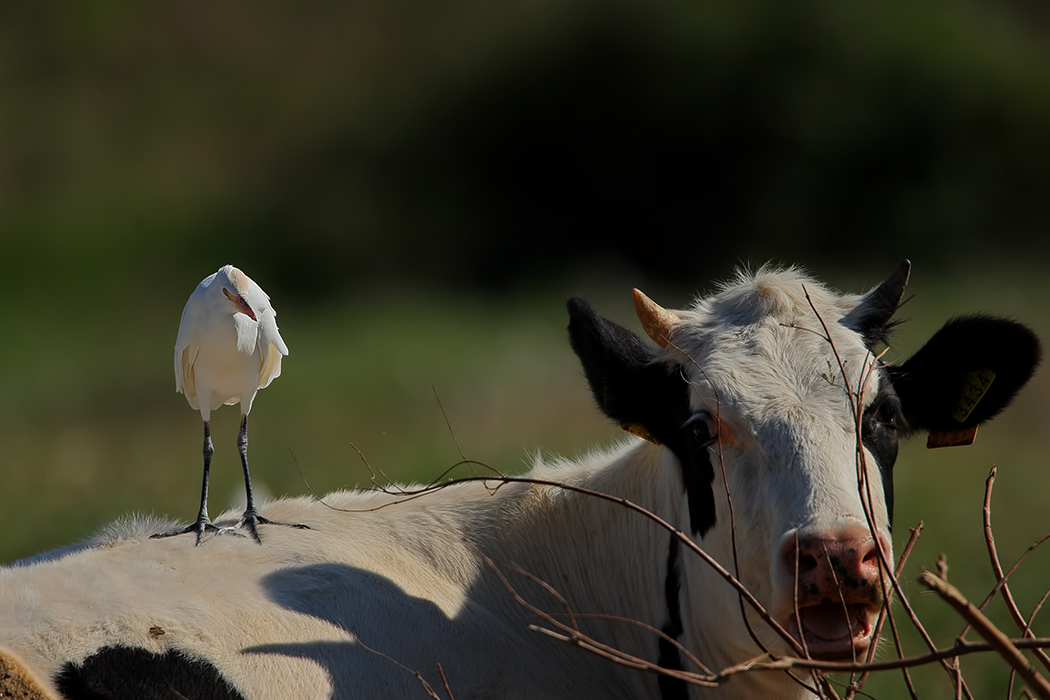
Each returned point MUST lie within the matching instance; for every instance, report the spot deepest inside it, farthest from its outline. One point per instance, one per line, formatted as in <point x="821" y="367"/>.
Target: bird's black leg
<point x="251" y="518"/>
<point x="203" y="523"/>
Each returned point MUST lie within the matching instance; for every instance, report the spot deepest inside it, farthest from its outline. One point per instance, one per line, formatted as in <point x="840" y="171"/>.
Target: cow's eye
<point x="888" y="415"/>
<point x="704" y="428"/>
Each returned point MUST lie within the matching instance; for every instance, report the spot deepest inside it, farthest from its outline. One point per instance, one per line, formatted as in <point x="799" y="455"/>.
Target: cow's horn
<point x="657" y="321"/>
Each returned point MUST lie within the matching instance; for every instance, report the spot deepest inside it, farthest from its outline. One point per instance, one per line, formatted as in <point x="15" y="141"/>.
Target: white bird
<point x="227" y="349"/>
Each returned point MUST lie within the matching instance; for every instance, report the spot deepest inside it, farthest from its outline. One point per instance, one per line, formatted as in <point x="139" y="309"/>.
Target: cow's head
<point x="761" y="388"/>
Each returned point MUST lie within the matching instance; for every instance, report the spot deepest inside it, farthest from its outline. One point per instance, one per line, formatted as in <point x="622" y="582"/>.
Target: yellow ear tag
<point x="639" y="431"/>
<point x="975" y="386"/>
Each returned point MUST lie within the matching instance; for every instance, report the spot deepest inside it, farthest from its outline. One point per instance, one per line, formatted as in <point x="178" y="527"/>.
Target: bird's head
<point x="236" y="289"/>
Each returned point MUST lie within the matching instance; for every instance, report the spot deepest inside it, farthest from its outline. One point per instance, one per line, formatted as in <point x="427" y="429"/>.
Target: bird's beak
<point x="240" y="303"/>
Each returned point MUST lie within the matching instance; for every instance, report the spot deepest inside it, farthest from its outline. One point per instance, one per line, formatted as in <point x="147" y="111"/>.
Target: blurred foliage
<point x="329" y="145"/>
<point x="419" y="185"/>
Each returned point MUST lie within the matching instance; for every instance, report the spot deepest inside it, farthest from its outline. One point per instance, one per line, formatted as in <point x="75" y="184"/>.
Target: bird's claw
<point x="200" y="526"/>
<point x="231" y="530"/>
<point x="251" y="520"/>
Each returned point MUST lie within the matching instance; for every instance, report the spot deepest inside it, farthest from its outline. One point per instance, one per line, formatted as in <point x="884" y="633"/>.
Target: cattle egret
<point x="227" y="349"/>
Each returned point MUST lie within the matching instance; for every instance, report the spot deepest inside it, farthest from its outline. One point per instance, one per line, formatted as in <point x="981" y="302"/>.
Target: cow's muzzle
<point x="838" y="592"/>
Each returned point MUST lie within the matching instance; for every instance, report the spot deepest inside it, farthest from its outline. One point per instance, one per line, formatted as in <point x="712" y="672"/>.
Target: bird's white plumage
<point x="222" y="355"/>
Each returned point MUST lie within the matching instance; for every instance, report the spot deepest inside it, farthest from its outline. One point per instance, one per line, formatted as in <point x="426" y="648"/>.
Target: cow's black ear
<point x="872" y="317"/>
<point x="967" y="373"/>
<point x="647" y="397"/>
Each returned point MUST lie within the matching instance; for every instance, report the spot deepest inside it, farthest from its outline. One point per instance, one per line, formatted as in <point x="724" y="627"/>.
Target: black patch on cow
<point x="881" y="429"/>
<point x="133" y="673"/>
<point x="930" y="383"/>
<point x="670" y="657"/>
<point x="636" y="389"/>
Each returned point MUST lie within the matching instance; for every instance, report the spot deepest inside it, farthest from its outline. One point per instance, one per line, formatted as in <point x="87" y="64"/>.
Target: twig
<point x="984" y="627"/>
<point x="444" y="681"/>
<point x="732" y="519"/>
<point x="1035" y="611"/>
<point x="500" y="481"/>
<point x="573" y="628"/>
<point x="960" y="648"/>
<point x="861" y="478"/>
<point x="883" y="614"/>
<point x="997" y="569"/>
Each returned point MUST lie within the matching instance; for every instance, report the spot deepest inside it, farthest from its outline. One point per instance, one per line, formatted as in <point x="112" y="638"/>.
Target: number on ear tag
<point x="975" y="386"/>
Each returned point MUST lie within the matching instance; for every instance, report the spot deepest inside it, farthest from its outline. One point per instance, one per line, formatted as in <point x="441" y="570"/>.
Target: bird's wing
<point x="271" y="347"/>
<point x="269" y="364"/>
<point x="187" y="345"/>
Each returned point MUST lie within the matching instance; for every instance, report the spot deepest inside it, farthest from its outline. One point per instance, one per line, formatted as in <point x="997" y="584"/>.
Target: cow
<point x="765" y="421"/>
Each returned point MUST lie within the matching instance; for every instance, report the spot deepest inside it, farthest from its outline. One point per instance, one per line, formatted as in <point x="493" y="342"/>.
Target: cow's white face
<point x="758" y="392"/>
<point x="779" y="398"/>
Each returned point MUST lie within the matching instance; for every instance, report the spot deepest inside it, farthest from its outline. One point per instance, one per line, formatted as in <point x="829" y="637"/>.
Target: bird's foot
<point x="200" y="526"/>
<point x="250" y="522"/>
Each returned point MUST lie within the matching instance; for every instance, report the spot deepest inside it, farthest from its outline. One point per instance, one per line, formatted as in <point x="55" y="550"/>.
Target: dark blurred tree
<point x="470" y="145"/>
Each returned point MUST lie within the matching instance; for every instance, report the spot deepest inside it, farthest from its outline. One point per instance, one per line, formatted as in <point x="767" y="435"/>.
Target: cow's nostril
<point x="806" y="563"/>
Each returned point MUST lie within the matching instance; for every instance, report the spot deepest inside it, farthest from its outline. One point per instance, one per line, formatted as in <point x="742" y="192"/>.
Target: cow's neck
<point x="575" y="543"/>
<point x="603" y="558"/>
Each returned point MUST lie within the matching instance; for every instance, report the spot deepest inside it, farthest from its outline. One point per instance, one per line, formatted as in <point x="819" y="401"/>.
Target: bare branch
<point x="997" y="569"/>
<point x="984" y="627"/>
<point x="444" y="681"/>
<point x="886" y="612"/>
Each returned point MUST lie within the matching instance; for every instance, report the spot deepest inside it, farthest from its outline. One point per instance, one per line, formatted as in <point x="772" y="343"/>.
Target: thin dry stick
<point x="503" y="480"/>
<point x="864" y="489"/>
<point x="448" y="424"/>
<point x="842" y="599"/>
<point x="578" y="639"/>
<point x="573" y="626"/>
<point x="1027" y="628"/>
<point x="763" y="663"/>
<point x="886" y="613"/>
<point x="862" y="471"/>
<point x="717" y="413"/>
<point x="419" y="677"/>
<point x="444" y="680"/>
<point x="984" y="627"/>
<point x="1035" y="611"/>
<point x="863" y="483"/>
<point x="817" y="678"/>
<point x="900" y="655"/>
<point x="732" y="519"/>
<point x="1004" y="588"/>
<point x="826" y="688"/>
<point x="1013" y="569"/>
<point x="960" y="648"/>
<point x="798" y="613"/>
